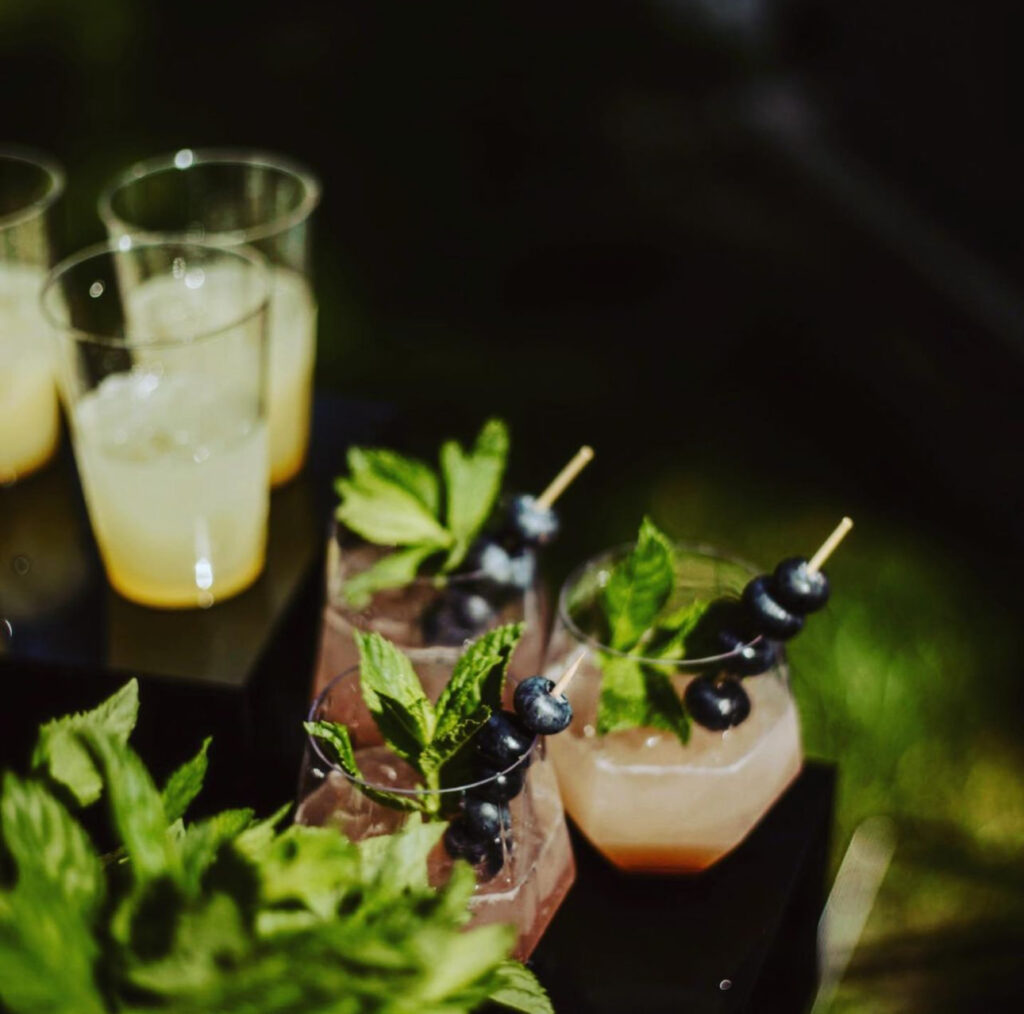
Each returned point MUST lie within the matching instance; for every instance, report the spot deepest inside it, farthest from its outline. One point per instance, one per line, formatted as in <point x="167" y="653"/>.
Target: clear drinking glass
<point x="537" y="867"/>
<point x="427" y="618"/>
<point x="31" y="184"/>
<point x="231" y="198"/>
<point x="643" y="799"/>
<point x="162" y="366"/>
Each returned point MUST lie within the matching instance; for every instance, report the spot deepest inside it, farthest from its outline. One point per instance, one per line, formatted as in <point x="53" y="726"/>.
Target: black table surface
<point x="740" y="936"/>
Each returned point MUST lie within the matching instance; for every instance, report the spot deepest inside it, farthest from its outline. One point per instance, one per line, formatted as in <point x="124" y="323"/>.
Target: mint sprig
<point x="641" y="626"/>
<point x="426" y="736"/>
<point x="225" y="914"/>
<point x="392" y="500"/>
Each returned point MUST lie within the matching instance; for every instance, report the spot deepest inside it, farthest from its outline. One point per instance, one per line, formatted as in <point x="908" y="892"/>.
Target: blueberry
<point x="797" y="588"/>
<point x="766" y="614"/>
<point x="751" y="657"/>
<point x="716" y="703"/>
<point x="462" y="843"/>
<point x="500" y="787"/>
<point x="531" y="524"/>
<point x="705" y="640"/>
<point x="500" y="567"/>
<point x="458" y="615"/>
<point x="484" y="818"/>
<point x="539" y="711"/>
<point x="503" y="740"/>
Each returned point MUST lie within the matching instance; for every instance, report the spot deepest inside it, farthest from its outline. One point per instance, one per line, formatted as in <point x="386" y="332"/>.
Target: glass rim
<point x="50" y="168"/>
<point x="417" y="793"/>
<point x="185" y="159"/>
<point x="254" y="259"/>
<point x="685" y="664"/>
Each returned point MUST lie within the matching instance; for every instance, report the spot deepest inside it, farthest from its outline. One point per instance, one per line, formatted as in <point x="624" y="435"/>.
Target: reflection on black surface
<point x="47" y="563"/>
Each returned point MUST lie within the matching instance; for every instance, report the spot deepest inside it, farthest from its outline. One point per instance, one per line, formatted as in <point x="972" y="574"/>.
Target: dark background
<point x="765" y="256"/>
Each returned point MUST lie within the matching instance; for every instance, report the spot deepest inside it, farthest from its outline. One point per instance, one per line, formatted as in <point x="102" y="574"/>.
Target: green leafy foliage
<point x="223" y="914"/>
<point x="62" y="755"/>
<point x="474" y="691"/>
<point x="392" y="500"/>
<point x="184" y="784"/>
<point x="636" y="690"/>
<point x="428" y="737"/>
<point x="473" y="483"/>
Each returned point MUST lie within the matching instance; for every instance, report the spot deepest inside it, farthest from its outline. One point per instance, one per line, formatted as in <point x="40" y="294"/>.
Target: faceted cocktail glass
<point x="231" y="198"/>
<point x="409" y="615"/>
<point x="161" y="364"/>
<point x="30" y="187"/>
<point x="537" y="864"/>
<point x="643" y="798"/>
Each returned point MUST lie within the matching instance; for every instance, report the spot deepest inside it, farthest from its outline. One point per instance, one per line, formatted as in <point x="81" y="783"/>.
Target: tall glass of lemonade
<point x="162" y="366"/>
<point x="232" y="198"/>
<point x="30" y="187"/>
<point x="646" y="779"/>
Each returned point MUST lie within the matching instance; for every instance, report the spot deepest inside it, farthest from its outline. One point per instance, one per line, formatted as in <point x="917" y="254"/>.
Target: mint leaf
<point x="61" y="755"/>
<point x="386" y="514"/>
<point x="396" y="863"/>
<point x="202" y="841"/>
<point x="337" y="737"/>
<point x="394" y="696"/>
<point x="465" y="959"/>
<point x="184" y="784"/>
<point x="207" y="937"/>
<point x="413" y="476"/>
<point x="638" y="587"/>
<point x="47" y="953"/>
<point x="664" y="708"/>
<point x="257" y="837"/>
<point x="313" y="867"/>
<point x="517" y="989"/>
<point x="674" y="631"/>
<point x="135" y="805"/>
<point x="47" y="844"/>
<point x="634" y="695"/>
<point x="392" y="571"/>
<point x="473" y="692"/>
<point x="623" y="702"/>
<point x="473" y="482"/>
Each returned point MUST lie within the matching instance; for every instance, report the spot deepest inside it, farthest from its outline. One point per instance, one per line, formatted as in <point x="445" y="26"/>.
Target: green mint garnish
<point x="392" y="500"/>
<point x="226" y="913"/>
<point x="638" y="588"/>
<point x="473" y="482"/>
<point x="635" y="602"/>
<point x="426" y="736"/>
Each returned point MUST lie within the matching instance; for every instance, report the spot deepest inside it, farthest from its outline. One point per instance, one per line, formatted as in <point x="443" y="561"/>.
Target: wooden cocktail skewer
<point x="560" y="482"/>
<point x="559" y="687"/>
<point x="827" y="548"/>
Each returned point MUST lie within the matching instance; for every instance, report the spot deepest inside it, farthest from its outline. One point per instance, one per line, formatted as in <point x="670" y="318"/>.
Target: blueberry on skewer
<point x="539" y="710"/>
<point x="485" y="818"/>
<point x="457" y="616"/>
<point x="766" y="613"/>
<point x="499" y="786"/>
<point x="747" y="658"/>
<point x="462" y="842"/>
<point x="534" y="523"/>
<point x="503" y="739"/>
<point x="717" y="703"/>
<point x="797" y="587"/>
<point x="506" y="559"/>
